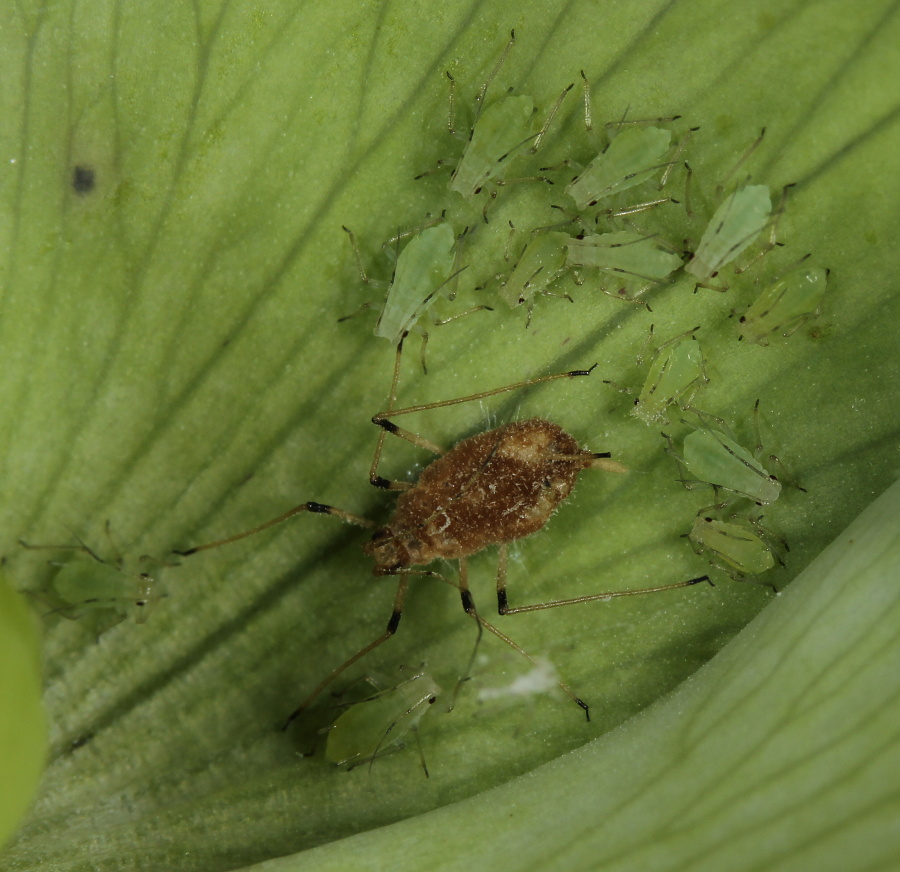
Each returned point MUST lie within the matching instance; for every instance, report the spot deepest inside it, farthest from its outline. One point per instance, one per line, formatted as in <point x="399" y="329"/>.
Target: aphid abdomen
<point x="491" y="488"/>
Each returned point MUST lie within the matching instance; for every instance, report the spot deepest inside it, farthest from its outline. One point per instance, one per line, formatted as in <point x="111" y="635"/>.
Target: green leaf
<point x="776" y="754"/>
<point x="23" y="725"/>
<point x="172" y="270"/>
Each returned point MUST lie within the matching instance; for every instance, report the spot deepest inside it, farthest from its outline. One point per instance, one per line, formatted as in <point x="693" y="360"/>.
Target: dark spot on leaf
<point x="83" y="180"/>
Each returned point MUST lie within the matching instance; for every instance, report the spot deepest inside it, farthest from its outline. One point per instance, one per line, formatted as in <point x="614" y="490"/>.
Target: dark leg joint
<point x="318" y="508"/>
<point x="378" y="481"/>
<point x="585" y="706"/>
<point x="577" y="372"/>
<point x="702" y="578"/>
<point x="393" y="623"/>
<point x="467" y="602"/>
<point x="390" y="426"/>
<point x="502" y="602"/>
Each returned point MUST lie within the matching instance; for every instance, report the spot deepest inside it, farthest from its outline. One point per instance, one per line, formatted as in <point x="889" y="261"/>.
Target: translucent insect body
<point x="632" y="157"/>
<point x="785" y="305"/>
<point x="715" y="458"/>
<point x="676" y="373"/>
<point x="82" y="585"/>
<point x="499" y="134"/>
<point x="733" y="228"/>
<point x="422" y="270"/>
<point x="381" y="722"/>
<point x="541" y="263"/>
<point x="736" y="548"/>
<point x="625" y="254"/>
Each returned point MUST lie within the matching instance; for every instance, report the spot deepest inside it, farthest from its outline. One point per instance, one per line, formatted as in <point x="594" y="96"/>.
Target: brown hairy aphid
<point x="490" y="489"/>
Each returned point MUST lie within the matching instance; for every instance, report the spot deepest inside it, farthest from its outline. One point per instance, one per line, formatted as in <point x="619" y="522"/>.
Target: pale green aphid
<point x="381" y="722"/>
<point x="422" y="269"/>
<point x="713" y="457"/>
<point x="86" y="585"/>
<point x="632" y="157"/>
<point x="676" y="373"/>
<point x="785" y="305"/>
<point x="737" y="549"/>
<point x="733" y="228"/>
<point x="624" y="253"/>
<point x="498" y="134"/>
<point x="541" y="263"/>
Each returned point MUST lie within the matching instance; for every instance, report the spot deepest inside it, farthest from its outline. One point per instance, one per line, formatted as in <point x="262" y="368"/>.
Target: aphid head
<point x="388" y="552"/>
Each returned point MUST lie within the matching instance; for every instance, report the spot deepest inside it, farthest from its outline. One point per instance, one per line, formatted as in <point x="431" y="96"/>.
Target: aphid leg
<point x="688" y="209"/>
<point x="636" y="209"/>
<point x="316" y="508"/>
<point x="424" y="407"/>
<point x="504" y="608"/>
<point x="536" y="663"/>
<point x="468" y="604"/>
<point x="622" y="297"/>
<point x="676" y="158"/>
<point x="414" y="729"/>
<point x="759" y="450"/>
<point x="81" y="546"/>
<point x="740" y="162"/>
<point x="688" y="483"/>
<point x="479" y="97"/>
<point x="541" y="133"/>
<point x="631" y="122"/>
<point x="393" y="623"/>
<point x="773" y="232"/>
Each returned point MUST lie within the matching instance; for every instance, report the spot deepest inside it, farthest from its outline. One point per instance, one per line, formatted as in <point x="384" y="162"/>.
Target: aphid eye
<point x="548" y="483"/>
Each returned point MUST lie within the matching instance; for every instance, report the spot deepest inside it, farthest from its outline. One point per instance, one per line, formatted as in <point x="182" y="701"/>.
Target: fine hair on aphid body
<point x="489" y="489"/>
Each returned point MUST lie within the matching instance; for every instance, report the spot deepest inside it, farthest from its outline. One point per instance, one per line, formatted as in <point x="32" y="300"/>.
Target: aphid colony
<point x="609" y="229"/>
<point x="625" y="218"/>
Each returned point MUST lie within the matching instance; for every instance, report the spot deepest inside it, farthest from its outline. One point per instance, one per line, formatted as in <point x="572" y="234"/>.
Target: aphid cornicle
<point x="490" y="489"/>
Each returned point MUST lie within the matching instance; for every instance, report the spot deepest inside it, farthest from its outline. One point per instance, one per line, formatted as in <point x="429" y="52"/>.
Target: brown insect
<point x="490" y="489"/>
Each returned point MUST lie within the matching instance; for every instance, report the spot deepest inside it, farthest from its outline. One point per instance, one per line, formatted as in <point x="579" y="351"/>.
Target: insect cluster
<point x="624" y="216"/>
<point x="628" y="217"/>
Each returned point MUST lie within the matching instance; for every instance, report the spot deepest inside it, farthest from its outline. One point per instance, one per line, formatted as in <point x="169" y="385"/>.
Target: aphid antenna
<point x="400" y="235"/>
<point x="479" y="97"/>
<point x="633" y="122"/>
<point x="748" y="153"/>
<point x="542" y="132"/>
<point x="676" y="157"/>
<point x="364" y="277"/>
